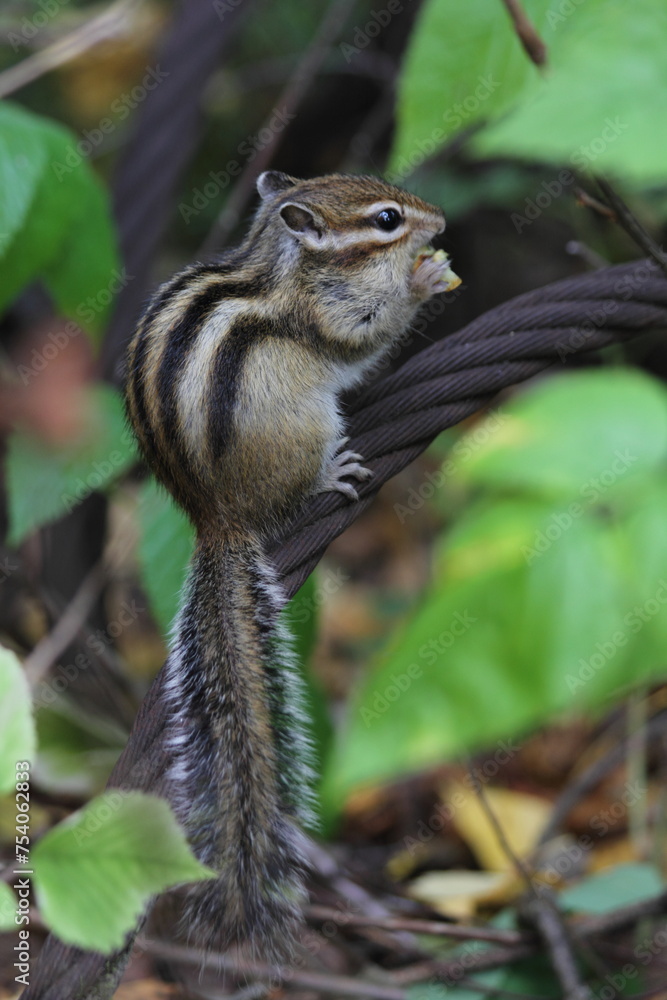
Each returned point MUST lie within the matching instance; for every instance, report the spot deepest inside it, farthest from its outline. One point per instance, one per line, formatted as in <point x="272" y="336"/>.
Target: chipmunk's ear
<point x="273" y="182"/>
<point x="301" y="221"/>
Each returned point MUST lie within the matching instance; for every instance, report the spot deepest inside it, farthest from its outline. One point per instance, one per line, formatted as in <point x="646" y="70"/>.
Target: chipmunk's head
<point x="345" y="222"/>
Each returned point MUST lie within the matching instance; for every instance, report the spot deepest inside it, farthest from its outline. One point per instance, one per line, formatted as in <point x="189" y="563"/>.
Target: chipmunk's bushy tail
<point x="241" y="759"/>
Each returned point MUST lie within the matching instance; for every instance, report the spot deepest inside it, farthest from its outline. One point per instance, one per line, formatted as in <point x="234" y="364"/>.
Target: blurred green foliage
<point x="54" y="219"/>
<point x="597" y="105"/>
<point x="46" y="482"/>
<point x="17" y="734"/>
<point x="549" y="592"/>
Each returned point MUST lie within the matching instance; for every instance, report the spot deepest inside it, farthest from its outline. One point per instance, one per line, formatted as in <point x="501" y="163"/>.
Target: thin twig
<point x="594" y="260"/>
<point x="624" y="916"/>
<point x="73" y="618"/>
<point x="587" y="200"/>
<point x="542" y="910"/>
<point x="637" y="771"/>
<point x="548" y="921"/>
<point x="619" y="951"/>
<point x="632" y="225"/>
<point x="415" y="926"/>
<point x="451" y="971"/>
<point x="322" y="982"/>
<point x="329" y="984"/>
<point x="519" y="865"/>
<point x="356" y="897"/>
<point x="533" y="45"/>
<point x="588" y="779"/>
<point x="48" y="649"/>
<point x="113" y="22"/>
<point x="288" y="102"/>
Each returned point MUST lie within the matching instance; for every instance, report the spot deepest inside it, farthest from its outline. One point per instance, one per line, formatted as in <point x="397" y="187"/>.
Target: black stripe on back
<point x="136" y="391"/>
<point x="226" y="265"/>
<point x="182" y="338"/>
<point x="135" y="376"/>
<point x="229" y="358"/>
<point x="173" y="287"/>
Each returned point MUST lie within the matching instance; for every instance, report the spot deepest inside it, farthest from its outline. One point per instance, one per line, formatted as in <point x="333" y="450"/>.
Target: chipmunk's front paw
<point x="346" y="463"/>
<point x="432" y="274"/>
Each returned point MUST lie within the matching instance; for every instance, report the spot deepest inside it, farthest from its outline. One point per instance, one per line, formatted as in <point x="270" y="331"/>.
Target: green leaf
<point x="96" y="871"/>
<point x="17" y="728"/>
<point x="55" y="222"/>
<point x="165" y="547"/>
<point x="465" y="67"/>
<point x="464" y="64"/>
<point x="8" y="906"/>
<point x="549" y="593"/>
<point x="22" y="161"/>
<point x="581" y="113"/>
<point x="44" y="482"/>
<point x="613" y="888"/>
<point x="578" y="435"/>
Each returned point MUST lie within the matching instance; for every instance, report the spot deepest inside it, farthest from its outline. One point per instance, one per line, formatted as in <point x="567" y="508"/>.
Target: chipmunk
<point x="232" y="385"/>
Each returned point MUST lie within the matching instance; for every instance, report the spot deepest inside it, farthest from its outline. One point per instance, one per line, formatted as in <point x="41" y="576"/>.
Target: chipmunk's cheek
<point x="432" y="274"/>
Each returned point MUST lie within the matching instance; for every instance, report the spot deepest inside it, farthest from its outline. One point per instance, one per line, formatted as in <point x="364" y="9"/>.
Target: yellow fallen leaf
<point x="457" y="893"/>
<point x="522" y="818"/>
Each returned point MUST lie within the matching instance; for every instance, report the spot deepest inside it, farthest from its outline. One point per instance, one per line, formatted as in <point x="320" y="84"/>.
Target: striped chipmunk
<point x="232" y="386"/>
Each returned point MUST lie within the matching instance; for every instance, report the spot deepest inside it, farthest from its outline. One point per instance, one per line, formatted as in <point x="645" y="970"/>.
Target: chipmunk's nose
<point x="435" y="223"/>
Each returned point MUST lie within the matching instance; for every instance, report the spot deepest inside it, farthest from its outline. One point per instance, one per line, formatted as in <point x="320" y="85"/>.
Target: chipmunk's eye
<point x="388" y="219"/>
